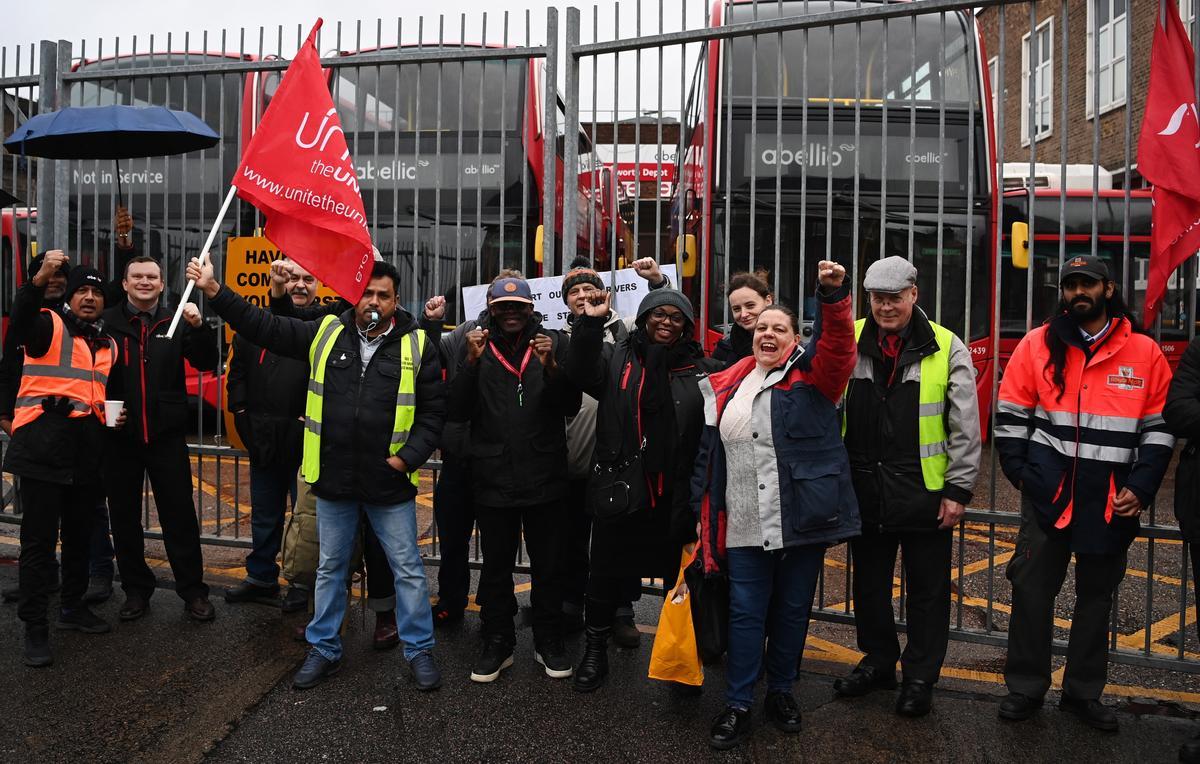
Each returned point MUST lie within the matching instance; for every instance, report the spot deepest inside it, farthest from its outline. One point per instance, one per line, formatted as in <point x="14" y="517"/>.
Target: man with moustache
<point x="373" y="413"/>
<point x="1080" y="432"/>
<point x="266" y="394"/>
<point x="57" y="445"/>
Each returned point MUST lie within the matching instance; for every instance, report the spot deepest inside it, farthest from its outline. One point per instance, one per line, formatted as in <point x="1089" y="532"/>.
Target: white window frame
<point x="1045" y="65"/>
<point x="1187" y="14"/>
<point x="993" y="72"/>
<point x="1110" y="59"/>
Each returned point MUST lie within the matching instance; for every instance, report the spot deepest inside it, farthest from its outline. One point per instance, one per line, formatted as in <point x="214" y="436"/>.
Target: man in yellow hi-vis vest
<point x="375" y="410"/>
<point x="911" y="428"/>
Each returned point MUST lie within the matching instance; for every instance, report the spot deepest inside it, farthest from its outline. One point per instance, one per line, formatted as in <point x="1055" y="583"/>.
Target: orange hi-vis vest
<point x="68" y="370"/>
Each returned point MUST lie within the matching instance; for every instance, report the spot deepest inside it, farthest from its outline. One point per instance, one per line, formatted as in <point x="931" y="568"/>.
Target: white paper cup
<point x="112" y="410"/>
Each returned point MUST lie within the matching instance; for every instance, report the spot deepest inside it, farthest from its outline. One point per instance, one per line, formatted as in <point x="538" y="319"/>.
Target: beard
<point x="1082" y="310"/>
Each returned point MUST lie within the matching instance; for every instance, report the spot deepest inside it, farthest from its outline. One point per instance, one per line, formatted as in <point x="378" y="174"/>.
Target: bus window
<point x="202" y="95"/>
<point x="406" y="98"/>
<point x="939" y="72"/>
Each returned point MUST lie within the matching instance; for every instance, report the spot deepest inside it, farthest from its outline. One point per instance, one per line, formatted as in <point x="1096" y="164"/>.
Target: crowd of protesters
<point x="609" y="448"/>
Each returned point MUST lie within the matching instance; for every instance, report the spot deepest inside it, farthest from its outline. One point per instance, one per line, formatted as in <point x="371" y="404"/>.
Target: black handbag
<point x="616" y="489"/>
<point x="710" y="611"/>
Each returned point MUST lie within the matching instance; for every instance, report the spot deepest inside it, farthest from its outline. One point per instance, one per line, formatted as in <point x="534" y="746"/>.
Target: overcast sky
<point x="85" y="22"/>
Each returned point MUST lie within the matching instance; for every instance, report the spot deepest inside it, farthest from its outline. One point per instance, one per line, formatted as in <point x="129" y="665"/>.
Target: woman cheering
<point x="772" y="489"/>
<point x="647" y="431"/>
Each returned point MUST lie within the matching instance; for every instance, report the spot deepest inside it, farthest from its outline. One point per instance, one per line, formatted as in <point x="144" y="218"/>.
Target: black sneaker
<point x="295" y="600"/>
<point x="248" y="592"/>
<point x="37" y="647"/>
<point x="81" y="619"/>
<point x="553" y="658"/>
<point x="497" y="655"/>
<point x="314" y="670"/>
<point x="99" y="590"/>
<point x="10" y="594"/>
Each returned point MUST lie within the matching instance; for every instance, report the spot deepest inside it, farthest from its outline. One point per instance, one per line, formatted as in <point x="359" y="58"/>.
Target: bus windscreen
<point x="927" y="69"/>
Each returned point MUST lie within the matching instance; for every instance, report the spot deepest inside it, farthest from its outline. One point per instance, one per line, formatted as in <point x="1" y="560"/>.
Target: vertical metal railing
<point x="901" y="97"/>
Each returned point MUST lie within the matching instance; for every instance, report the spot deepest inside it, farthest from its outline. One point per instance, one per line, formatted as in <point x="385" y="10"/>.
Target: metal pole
<point x="48" y="84"/>
<point x="549" y="133"/>
<point x="570" y="139"/>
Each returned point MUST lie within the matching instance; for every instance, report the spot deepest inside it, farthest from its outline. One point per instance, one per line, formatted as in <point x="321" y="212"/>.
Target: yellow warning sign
<point x="248" y="272"/>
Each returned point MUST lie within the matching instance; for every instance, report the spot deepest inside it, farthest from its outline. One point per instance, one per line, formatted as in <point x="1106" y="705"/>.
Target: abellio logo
<point x="821" y="156"/>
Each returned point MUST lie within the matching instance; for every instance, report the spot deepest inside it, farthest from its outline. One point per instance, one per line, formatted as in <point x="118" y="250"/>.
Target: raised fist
<point x="476" y="340"/>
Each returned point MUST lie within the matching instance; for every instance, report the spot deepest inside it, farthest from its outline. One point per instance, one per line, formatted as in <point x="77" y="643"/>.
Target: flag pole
<point x="212" y="234"/>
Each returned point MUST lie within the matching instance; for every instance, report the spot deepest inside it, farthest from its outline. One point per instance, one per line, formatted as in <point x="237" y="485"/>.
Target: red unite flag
<point x="1169" y="154"/>
<point x="297" y="170"/>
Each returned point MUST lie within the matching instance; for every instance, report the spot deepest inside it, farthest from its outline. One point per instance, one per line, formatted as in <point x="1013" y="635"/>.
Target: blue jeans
<point x="781" y="583"/>
<point x="101" y="554"/>
<point x="395" y="526"/>
<point x="270" y="490"/>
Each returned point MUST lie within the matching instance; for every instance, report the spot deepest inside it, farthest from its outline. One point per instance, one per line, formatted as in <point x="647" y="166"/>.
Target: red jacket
<point x="1071" y="453"/>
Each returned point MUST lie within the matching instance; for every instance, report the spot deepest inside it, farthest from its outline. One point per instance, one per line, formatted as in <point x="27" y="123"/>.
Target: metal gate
<point x="800" y="130"/>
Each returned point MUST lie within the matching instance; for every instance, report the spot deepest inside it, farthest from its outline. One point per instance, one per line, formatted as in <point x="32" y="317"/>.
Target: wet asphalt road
<point x="163" y="689"/>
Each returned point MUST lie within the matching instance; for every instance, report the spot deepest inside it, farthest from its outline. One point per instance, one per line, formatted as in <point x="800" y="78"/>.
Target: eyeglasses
<point x="675" y="318"/>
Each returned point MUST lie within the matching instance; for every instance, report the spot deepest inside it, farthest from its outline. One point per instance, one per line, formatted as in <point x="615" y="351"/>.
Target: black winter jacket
<point x="266" y="393"/>
<point x="645" y="542"/>
<point x="1182" y="413"/>
<point x="882" y="432"/>
<point x="517" y="443"/>
<point x="359" y="407"/>
<point x="54" y="447"/>
<point x="150" y="369"/>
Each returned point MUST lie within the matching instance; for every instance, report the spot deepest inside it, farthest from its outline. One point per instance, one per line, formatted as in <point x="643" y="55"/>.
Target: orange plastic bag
<point x="675" y="657"/>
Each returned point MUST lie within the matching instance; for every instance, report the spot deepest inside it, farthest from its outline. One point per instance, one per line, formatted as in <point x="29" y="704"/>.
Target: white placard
<point x="547" y="295"/>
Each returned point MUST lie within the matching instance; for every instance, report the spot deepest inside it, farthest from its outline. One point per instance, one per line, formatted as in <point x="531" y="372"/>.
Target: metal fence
<point x="808" y="130"/>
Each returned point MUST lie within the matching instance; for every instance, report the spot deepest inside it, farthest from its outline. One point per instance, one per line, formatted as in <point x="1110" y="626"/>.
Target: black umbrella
<point x="7" y="199"/>
<point x="111" y="132"/>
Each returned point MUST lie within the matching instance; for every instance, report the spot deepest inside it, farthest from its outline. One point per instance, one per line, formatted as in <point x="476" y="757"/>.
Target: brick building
<point x="1035" y="62"/>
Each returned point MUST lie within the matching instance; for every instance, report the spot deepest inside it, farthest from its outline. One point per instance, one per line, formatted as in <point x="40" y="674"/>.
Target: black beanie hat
<point x="580" y="272"/>
<point x="659" y="297"/>
<point x="81" y="277"/>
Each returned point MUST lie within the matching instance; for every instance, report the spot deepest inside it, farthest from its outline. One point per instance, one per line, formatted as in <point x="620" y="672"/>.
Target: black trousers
<point x="926" y="561"/>
<point x="455" y="514"/>
<point x="500" y="531"/>
<point x="1194" y="552"/>
<point x="166" y="461"/>
<point x="606" y="595"/>
<point x="579" y="542"/>
<point x="1037" y="570"/>
<point x="44" y="506"/>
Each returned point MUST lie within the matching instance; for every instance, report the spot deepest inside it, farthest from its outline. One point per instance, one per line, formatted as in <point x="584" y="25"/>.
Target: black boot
<point x="37" y="646"/>
<point x="594" y="665"/>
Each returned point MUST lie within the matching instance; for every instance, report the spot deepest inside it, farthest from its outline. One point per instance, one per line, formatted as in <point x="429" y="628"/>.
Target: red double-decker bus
<point x="849" y="143"/>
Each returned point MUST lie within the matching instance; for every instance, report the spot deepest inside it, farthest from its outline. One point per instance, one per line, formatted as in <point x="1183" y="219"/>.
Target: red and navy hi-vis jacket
<point x="805" y="493"/>
<point x="1071" y="454"/>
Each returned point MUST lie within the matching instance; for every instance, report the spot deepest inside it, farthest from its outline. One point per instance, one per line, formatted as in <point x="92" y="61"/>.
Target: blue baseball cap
<point x="510" y="290"/>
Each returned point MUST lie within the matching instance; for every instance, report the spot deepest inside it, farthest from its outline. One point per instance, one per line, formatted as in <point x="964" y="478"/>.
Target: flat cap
<point x="891" y="275"/>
